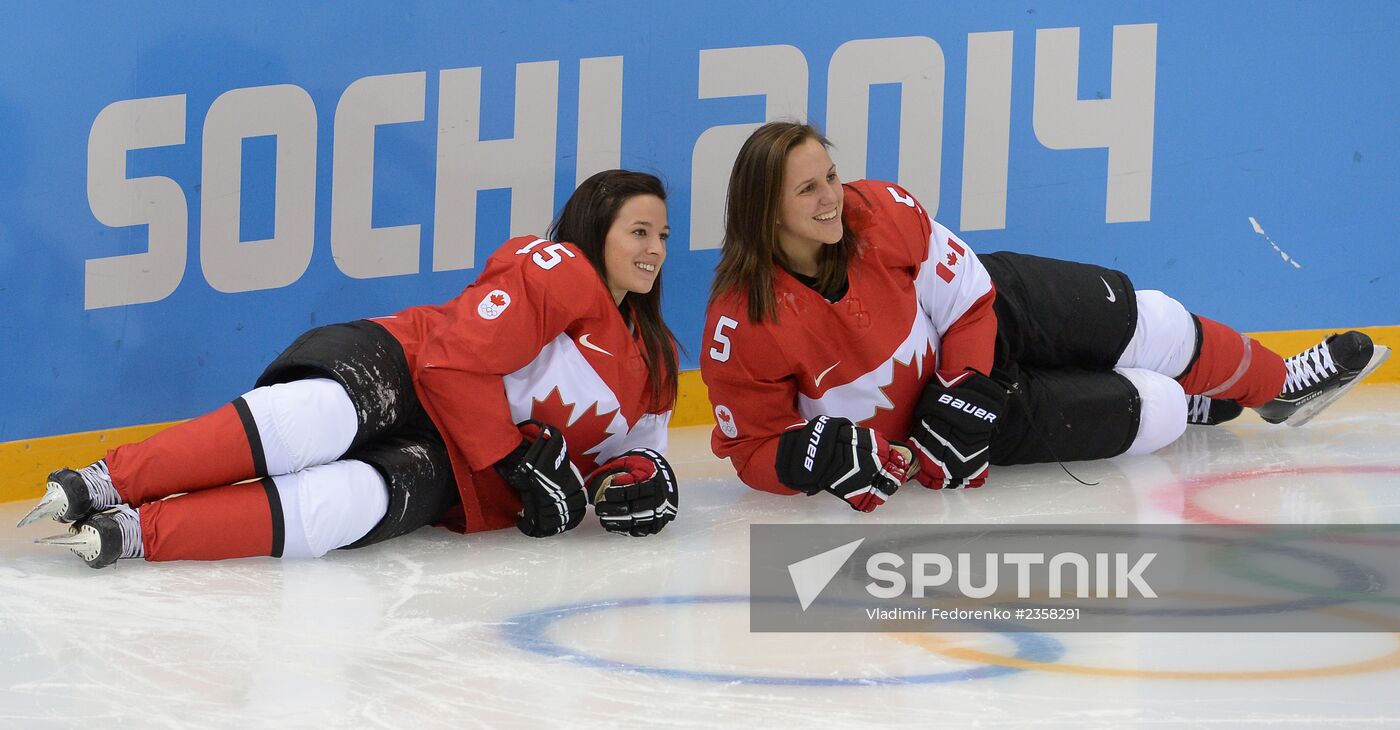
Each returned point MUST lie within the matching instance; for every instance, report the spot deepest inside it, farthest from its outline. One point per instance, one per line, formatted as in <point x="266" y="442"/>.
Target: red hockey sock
<point x="215" y="449"/>
<point x="238" y="521"/>
<point x="1233" y="367"/>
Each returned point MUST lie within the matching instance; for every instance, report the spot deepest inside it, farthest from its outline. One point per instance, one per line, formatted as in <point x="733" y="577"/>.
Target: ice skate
<point x="71" y="495"/>
<point x="103" y="538"/>
<point x="1202" y="410"/>
<point x="1321" y="374"/>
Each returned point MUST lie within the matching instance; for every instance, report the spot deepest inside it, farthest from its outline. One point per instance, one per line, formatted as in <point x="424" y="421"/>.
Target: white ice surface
<point x="412" y="633"/>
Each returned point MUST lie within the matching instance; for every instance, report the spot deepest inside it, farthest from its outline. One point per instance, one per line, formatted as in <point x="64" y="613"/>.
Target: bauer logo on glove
<point x="959" y="404"/>
<point x="817" y="428"/>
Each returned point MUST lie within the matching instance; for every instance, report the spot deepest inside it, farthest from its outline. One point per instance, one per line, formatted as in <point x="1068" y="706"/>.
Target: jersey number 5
<point x="553" y="249"/>
<point x="721" y="353"/>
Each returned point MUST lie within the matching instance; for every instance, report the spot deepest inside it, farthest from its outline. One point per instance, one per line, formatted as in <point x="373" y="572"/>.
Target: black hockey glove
<point x="832" y="454"/>
<point x="634" y="493"/>
<point x="550" y="487"/>
<point x="953" y="424"/>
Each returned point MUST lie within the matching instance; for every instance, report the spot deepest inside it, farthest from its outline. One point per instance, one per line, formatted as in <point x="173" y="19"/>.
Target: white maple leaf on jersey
<point x="560" y="365"/>
<point x="859" y="399"/>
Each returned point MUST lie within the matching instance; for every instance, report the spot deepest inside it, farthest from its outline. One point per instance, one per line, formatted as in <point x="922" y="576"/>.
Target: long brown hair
<point x="584" y="222"/>
<point x="750" y="245"/>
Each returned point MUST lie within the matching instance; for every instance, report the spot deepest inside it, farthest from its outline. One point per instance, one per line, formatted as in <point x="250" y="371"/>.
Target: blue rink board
<point x="1281" y="112"/>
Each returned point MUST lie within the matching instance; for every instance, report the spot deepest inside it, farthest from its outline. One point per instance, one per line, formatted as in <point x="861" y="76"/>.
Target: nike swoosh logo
<point x="1111" y="296"/>
<point x="818" y="381"/>
<point x="584" y="341"/>
<point x="948" y="383"/>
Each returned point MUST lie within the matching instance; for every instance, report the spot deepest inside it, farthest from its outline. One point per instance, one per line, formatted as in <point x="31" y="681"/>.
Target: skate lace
<point x="1197" y="408"/>
<point x="130" y="525"/>
<point x="1308" y="367"/>
<point x="96" y="476"/>
<point x="99" y="484"/>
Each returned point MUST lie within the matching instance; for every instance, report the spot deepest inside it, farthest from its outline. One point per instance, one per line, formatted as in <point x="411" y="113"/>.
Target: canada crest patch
<point x="725" y="419"/>
<point x="493" y="304"/>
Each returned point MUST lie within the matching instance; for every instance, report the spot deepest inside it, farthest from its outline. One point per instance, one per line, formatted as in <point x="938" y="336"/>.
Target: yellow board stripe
<point x="24" y="464"/>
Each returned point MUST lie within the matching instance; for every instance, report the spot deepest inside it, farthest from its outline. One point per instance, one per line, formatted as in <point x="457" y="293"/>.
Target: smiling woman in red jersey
<point x="545" y="386"/>
<point x="852" y="342"/>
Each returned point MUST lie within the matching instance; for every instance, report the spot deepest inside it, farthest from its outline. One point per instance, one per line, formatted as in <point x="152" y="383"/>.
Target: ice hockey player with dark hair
<point x="546" y="385"/>
<point x="853" y="342"/>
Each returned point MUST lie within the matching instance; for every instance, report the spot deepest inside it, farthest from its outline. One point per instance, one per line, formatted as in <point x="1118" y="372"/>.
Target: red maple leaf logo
<point x="952" y="259"/>
<point x="724" y="416"/>
<point x="499" y="300"/>
<point x="583" y="435"/>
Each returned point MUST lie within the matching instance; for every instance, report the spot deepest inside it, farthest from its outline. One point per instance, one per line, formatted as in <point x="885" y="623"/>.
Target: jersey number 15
<point x="553" y="250"/>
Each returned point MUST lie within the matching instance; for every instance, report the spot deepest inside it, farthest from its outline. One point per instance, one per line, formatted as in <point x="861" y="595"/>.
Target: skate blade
<point x="1379" y="355"/>
<point x="84" y="542"/>
<point x="53" y="504"/>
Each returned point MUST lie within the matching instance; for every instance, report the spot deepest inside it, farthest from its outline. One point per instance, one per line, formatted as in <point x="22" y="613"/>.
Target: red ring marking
<point x="1191" y="489"/>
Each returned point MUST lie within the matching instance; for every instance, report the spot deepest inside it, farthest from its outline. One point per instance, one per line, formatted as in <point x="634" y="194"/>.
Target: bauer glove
<point x="834" y="455"/>
<point x="953" y="423"/>
<point x="549" y="485"/>
<point x="634" y="493"/>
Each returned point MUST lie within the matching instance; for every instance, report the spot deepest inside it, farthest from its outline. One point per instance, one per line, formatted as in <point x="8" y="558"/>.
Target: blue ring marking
<point x="528" y="632"/>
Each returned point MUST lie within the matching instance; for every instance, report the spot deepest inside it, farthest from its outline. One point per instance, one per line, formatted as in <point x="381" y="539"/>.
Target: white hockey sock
<point x="329" y="506"/>
<point x="1164" y="339"/>
<point x="1163" y="417"/>
<point x="302" y="423"/>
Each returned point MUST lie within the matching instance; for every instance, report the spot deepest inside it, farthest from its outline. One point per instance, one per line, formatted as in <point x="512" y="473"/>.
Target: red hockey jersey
<point x="536" y="336"/>
<point x="917" y="295"/>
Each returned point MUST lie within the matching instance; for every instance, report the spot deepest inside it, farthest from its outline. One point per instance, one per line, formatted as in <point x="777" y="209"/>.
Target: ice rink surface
<point x="591" y="629"/>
